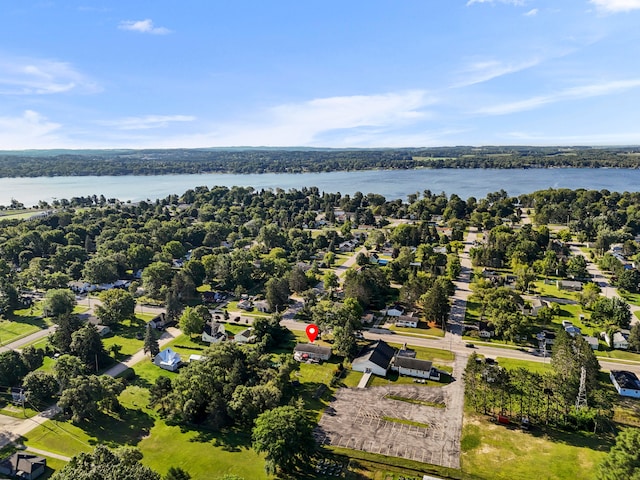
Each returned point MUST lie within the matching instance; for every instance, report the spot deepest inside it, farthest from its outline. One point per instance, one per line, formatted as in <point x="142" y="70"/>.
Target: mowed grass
<point x="512" y="364"/>
<point x="22" y="323"/>
<point x="496" y="452"/>
<point x="427" y="353"/>
<point x="205" y="455"/>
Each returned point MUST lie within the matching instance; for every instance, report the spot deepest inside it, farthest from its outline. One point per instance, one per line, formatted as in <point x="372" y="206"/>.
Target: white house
<point x="167" y="359"/>
<point x="395" y="311"/>
<point x="626" y="383"/>
<point x="592" y="341"/>
<point x="414" y="367"/>
<point x="616" y="341"/>
<point x="245" y="336"/>
<point x="306" y="351"/>
<point x="407" y="321"/>
<point x="375" y="358"/>
<point x="214" y="332"/>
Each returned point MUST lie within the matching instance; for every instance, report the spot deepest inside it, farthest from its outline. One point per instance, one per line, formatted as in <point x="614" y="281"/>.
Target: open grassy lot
<point x="551" y="290"/>
<point x="491" y="451"/>
<point x="512" y="364"/>
<point x="632" y="298"/>
<point x="427" y="353"/>
<point x="422" y="330"/>
<point x="472" y="312"/>
<point x="21" y="323"/>
<point x="199" y="452"/>
<point x="618" y="354"/>
<point x="393" y="378"/>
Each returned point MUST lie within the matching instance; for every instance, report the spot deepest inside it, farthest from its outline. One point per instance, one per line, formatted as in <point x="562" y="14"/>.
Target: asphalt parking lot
<point x="358" y="419"/>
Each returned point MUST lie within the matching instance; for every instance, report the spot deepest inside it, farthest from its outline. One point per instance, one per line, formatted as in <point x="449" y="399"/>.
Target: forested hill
<point x="256" y="160"/>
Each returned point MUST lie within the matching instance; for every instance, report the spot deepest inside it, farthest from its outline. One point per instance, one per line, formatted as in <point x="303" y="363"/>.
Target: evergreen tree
<point x="150" y="342"/>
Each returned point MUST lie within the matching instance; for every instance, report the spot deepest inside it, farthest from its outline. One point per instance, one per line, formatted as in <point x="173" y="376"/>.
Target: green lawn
<point x="546" y="290"/>
<point x="199" y="452"/>
<point x="22" y="323"/>
<point x="632" y="298"/>
<point x="393" y="378"/>
<point x="472" y="312"/>
<point x="422" y="330"/>
<point x="618" y="354"/>
<point x="427" y="353"/>
<point x="512" y="364"/>
<point x="496" y="452"/>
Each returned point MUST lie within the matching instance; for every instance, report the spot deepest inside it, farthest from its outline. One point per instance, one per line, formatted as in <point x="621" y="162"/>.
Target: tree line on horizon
<point x="255" y="160"/>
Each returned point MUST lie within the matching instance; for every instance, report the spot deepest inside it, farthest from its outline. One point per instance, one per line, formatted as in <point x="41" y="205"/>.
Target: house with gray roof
<point x="375" y="358"/>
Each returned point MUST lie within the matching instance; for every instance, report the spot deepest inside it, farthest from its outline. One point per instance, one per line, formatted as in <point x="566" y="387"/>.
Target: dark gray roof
<point x="412" y="363"/>
<point x="312" y="348"/>
<point x="25" y="462"/>
<point x="213" y="329"/>
<point x="626" y="379"/>
<point x="379" y="353"/>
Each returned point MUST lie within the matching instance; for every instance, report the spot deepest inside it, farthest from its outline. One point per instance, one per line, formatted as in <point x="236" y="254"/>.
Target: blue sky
<point x="356" y="73"/>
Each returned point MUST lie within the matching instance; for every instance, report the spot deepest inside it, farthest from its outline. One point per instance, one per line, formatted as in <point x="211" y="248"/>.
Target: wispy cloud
<point x="143" y="26"/>
<point x="509" y="2"/>
<point x="585" y="91"/>
<point x="312" y="122"/>
<point x="615" y="6"/>
<point x="30" y="130"/>
<point x="147" y="122"/>
<point x="531" y="13"/>
<point x="32" y="76"/>
<point x="485" y="70"/>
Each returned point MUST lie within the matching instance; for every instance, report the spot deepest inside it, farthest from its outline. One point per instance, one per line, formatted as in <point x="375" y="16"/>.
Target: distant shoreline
<point x="256" y="161"/>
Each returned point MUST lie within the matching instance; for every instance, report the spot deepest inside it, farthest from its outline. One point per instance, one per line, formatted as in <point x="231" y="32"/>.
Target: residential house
<point x="311" y="351"/>
<point x="572" y="285"/>
<point x="410" y="320"/>
<point x="414" y="367"/>
<point x="572" y="330"/>
<point x="167" y="359"/>
<point x="486" y="330"/>
<point x="262" y="306"/>
<point x="159" y="321"/>
<point x="395" y="311"/>
<point x="593" y="342"/>
<point x="626" y="383"/>
<point x="536" y="305"/>
<point x="375" y="358"/>
<point x="23" y="465"/>
<point x="617" y="341"/>
<point x="368" y="318"/>
<point x="214" y="332"/>
<point x="245" y="336"/>
<point x="245" y="304"/>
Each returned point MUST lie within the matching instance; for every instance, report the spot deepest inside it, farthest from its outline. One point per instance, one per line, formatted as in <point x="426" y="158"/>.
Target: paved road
<point x="28" y="339"/>
<point x="601" y="280"/>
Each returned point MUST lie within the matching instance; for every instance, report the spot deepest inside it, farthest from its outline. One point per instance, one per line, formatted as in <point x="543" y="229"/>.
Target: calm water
<point x="392" y="184"/>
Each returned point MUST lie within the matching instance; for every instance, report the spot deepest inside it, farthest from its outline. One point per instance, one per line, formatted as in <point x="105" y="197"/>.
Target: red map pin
<point x="312" y="332"/>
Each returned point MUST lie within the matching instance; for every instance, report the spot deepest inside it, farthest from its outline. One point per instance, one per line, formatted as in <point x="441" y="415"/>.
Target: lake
<point x="392" y="184"/>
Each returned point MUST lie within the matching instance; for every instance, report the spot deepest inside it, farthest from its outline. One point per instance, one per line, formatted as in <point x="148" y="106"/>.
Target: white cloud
<point x="509" y="2"/>
<point x="531" y="13"/>
<point x="34" y="76"/>
<point x="147" y="122"/>
<point x="312" y="122"/>
<point x="483" y="71"/>
<point x="143" y="26"/>
<point x="585" y="91"/>
<point x="615" y="6"/>
<point x="30" y="130"/>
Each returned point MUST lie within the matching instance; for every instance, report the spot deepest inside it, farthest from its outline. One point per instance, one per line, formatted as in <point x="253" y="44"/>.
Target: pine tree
<point x="151" y="342"/>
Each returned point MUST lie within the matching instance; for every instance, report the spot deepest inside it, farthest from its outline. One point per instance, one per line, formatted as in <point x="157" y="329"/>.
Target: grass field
<point x="512" y="364"/>
<point x="497" y="452"/>
<point x="427" y="353"/>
